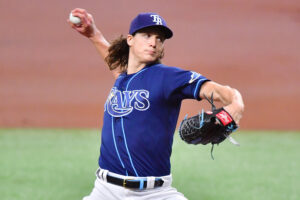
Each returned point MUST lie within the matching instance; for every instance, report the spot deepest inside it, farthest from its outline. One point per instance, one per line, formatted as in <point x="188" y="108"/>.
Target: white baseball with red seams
<point x="74" y="19"/>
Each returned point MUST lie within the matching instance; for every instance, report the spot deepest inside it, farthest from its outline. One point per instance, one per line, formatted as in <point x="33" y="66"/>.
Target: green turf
<point x="59" y="164"/>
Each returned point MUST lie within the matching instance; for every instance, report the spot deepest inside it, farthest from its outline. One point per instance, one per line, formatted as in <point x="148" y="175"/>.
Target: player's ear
<point x="130" y="40"/>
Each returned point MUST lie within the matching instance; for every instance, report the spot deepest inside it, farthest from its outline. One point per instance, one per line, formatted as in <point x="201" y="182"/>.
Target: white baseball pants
<point x="106" y="191"/>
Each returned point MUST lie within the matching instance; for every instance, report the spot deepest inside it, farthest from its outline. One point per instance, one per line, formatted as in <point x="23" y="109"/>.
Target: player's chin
<point x="151" y="58"/>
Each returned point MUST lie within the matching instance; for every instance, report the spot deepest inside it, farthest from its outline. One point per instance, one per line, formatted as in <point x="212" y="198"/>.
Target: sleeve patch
<point x="194" y="76"/>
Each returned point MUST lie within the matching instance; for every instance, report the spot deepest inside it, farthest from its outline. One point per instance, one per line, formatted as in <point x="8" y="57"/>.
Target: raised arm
<point x="229" y="97"/>
<point x="88" y="28"/>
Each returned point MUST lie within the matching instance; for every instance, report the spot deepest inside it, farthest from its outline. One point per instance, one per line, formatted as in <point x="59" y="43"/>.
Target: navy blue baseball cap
<point x="144" y="20"/>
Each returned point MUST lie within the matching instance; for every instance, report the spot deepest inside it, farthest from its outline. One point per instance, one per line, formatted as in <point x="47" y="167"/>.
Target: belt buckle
<point x="124" y="181"/>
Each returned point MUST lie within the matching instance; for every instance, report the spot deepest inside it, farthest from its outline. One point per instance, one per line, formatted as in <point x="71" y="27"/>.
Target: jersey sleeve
<point x="182" y="84"/>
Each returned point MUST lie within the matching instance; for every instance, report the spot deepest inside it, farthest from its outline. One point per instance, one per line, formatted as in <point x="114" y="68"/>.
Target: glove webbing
<point x="201" y="121"/>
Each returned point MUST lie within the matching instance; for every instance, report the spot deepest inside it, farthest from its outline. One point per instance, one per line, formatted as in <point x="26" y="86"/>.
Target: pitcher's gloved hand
<point x="208" y="127"/>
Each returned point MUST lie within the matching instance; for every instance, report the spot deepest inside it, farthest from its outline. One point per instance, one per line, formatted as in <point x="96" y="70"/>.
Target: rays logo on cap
<point x="156" y="19"/>
<point x="149" y="19"/>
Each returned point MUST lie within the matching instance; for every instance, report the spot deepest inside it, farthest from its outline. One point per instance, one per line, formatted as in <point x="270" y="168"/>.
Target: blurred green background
<point x="59" y="164"/>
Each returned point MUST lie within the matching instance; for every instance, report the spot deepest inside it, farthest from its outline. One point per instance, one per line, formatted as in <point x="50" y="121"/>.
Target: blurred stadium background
<point x="50" y="76"/>
<point x="53" y="86"/>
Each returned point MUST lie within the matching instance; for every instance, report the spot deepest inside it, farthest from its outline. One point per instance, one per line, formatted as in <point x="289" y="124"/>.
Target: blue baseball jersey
<point x="140" y="118"/>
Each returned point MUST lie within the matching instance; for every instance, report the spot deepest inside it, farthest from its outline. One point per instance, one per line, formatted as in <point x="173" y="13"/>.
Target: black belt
<point x="131" y="183"/>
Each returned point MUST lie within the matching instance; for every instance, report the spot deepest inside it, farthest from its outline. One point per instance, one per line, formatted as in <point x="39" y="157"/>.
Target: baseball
<point x="74" y="19"/>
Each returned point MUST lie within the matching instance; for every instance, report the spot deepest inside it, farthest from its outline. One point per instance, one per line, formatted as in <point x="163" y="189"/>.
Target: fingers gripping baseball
<point x="86" y="26"/>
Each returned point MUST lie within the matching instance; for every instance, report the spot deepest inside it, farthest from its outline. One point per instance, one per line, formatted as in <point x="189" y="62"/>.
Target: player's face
<point x="147" y="45"/>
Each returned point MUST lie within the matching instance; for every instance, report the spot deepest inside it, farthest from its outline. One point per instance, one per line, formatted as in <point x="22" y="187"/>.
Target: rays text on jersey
<point x="121" y="103"/>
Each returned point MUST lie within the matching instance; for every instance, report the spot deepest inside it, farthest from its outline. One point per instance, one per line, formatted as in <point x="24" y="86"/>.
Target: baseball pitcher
<point x="142" y="108"/>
